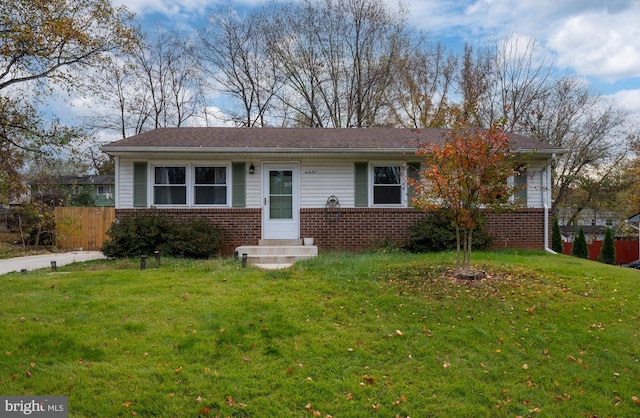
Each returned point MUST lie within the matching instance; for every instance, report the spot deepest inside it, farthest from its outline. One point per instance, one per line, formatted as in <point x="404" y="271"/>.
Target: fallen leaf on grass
<point x="311" y="410"/>
<point x="204" y="410"/>
<point x="368" y="379"/>
<point x="231" y="402"/>
<point x="400" y="333"/>
<point x="635" y="400"/>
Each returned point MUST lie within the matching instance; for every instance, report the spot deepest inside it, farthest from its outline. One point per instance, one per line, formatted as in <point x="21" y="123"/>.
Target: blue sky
<point x="598" y="40"/>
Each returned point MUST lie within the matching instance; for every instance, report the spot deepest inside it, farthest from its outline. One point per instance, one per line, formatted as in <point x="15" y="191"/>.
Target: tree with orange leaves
<point x="468" y="174"/>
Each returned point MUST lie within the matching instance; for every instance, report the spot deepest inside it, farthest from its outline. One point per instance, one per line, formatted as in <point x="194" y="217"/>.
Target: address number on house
<point x="311" y="172"/>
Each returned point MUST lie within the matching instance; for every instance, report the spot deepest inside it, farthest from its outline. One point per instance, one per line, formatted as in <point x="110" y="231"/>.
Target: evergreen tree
<point x="580" y="248"/>
<point x="556" y="238"/>
<point x="608" y="251"/>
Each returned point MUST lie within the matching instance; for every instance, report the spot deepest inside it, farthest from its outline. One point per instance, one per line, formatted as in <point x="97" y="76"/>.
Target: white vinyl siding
<point x="254" y="186"/>
<point x="320" y="180"/>
<point x="535" y="188"/>
<point x="124" y="183"/>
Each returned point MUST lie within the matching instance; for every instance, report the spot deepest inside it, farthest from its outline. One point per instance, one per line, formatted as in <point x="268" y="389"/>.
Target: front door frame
<point x="281" y="228"/>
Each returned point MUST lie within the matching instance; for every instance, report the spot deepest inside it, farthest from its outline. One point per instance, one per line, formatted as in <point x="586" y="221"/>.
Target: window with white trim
<point x="210" y="185"/>
<point x="388" y="185"/>
<point x="190" y="185"/>
<point x="170" y="185"/>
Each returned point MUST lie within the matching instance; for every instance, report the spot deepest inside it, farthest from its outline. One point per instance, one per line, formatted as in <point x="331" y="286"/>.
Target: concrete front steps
<point x="275" y="254"/>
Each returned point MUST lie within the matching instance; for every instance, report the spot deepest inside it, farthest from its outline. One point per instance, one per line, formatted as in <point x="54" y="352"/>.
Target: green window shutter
<point x="520" y="181"/>
<point x="413" y="173"/>
<point x="140" y="185"/>
<point x="362" y="184"/>
<point x="238" y="190"/>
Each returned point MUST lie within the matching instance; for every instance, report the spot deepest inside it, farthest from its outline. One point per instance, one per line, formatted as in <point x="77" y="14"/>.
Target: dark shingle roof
<point x="296" y="139"/>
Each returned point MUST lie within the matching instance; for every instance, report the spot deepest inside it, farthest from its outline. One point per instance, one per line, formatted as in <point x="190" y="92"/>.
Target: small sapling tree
<point x="608" y="250"/>
<point x="467" y="174"/>
<point x="556" y="238"/>
<point x="580" y="248"/>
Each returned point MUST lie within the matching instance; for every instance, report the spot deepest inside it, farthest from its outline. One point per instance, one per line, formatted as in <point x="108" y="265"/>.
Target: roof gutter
<point x="285" y="150"/>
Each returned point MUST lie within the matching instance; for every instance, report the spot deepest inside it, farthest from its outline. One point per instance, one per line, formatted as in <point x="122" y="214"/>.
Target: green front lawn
<point x="341" y="335"/>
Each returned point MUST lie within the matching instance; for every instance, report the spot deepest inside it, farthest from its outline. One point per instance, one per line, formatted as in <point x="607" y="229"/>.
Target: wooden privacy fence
<point x="626" y="251"/>
<point x="83" y="227"/>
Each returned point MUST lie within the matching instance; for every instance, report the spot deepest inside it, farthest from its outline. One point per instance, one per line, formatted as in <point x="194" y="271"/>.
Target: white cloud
<point x="212" y="116"/>
<point x="172" y="8"/>
<point x="629" y="99"/>
<point x="596" y="38"/>
<point x="603" y="46"/>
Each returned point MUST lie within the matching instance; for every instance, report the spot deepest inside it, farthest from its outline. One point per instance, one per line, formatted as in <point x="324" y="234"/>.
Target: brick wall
<point x="365" y="228"/>
<point x="359" y="229"/>
<point x="241" y="225"/>
<point x="521" y="229"/>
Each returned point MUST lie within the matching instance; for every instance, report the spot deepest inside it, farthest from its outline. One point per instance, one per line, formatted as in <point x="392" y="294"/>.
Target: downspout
<point x="547" y="174"/>
<point x="546" y="230"/>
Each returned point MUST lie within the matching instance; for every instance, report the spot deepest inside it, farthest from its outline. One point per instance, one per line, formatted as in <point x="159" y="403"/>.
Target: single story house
<point x="346" y="188"/>
<point x="75" y="190"/>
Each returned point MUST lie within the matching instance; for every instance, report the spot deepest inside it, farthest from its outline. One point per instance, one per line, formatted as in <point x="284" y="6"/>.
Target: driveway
<point x="34" y="262"/>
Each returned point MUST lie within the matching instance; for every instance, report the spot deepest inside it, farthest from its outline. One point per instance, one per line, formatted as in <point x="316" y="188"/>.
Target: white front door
<point x="280" y="211"/>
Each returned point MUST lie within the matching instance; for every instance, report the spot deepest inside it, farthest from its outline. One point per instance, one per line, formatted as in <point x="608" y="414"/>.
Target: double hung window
<point x="190" y="185"/>
<point x="170" y="186"/>
<point x="210" y="186"/>
<point x="387" y="185"/>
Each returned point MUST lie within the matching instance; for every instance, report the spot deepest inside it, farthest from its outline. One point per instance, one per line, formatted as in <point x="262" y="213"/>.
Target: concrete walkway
<point x="34" y="262"/>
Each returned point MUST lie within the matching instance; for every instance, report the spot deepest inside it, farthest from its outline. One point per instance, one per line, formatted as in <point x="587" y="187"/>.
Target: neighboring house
<point x="76" y="190"/>
<point x="345" y="188"/>
<point x="594" y="223"/>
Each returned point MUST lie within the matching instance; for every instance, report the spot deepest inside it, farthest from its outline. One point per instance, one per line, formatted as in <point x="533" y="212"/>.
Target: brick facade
<point x="358" y="229"/>
<point x="522" y="229"/>
<point x="241" y="225"/>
